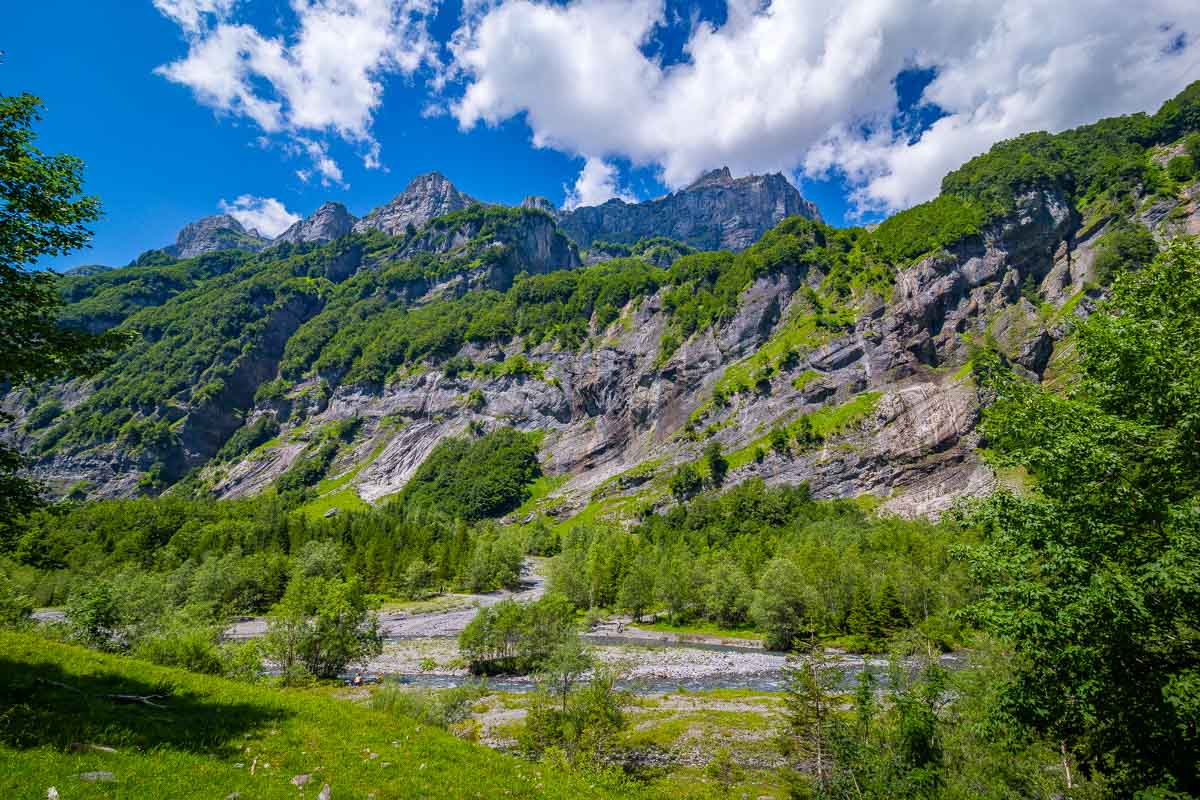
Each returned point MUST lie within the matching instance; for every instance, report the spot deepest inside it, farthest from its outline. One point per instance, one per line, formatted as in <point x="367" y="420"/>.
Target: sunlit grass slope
<point x="204" y="735"/>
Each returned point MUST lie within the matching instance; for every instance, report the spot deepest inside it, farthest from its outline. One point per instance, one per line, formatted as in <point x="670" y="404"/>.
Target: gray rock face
<point x="613" y="406"/>
<point x="427" y="197"/>
<point x="218" y="232"/>
<point x="539" y="203"/>
<point x="718" y="211"/>
<point x="330" y="221"/>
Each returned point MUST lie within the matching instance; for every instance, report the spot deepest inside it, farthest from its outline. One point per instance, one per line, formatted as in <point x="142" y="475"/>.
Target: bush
<point x="441" y="708"/>
<point x="686" y="483"/>
<point x="92" y="616"/>
<point x="193" y="648"/>
<point x="1181" y="168"/>
<point x="583" y="727"/>
<point x="321" y="626"/>
<point x="1125" y="248"/>
<point x="43" y="415"/>
<point x="515" y="638"/>
<point x="15" y="606"/>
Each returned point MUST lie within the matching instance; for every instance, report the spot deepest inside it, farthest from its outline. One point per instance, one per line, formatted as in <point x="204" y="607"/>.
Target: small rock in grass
<point x="300" y="780"/>
<point x="234" y="796"/>
<point x="373" y="756"/>
<point x="52" y="793"/>
<point x="239" y="765"/>
<point x="98" y="777"/>
<point x="326" y="793"/>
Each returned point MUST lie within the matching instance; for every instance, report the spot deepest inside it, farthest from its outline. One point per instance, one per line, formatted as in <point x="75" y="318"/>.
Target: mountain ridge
<point x="840" y="358"/>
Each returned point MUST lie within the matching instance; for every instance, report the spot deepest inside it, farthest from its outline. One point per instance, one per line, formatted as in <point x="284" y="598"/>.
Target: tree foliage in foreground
<point x="1094" y="576"/>
<point x="42" y="213"/>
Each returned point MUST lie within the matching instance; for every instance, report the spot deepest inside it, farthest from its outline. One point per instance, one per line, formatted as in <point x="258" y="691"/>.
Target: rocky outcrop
<point x="525" y="242"/>
<point x="330" y="221"/>
<point x="539" y="203"/>
<point x="218" y="232"/>
<point x="427" y="197"/>
<point x="716" y="212"/>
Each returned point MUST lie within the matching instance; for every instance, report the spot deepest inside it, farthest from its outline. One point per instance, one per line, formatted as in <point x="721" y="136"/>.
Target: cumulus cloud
<point x="194" y="15"/>
<point x="265" y="214"/>
<point x="324" y="78"/>
<point x="804" y="85"/>
<point x="596" y="183"/>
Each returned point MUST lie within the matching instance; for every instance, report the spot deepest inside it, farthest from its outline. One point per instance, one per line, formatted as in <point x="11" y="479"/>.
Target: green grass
<point x="827" y="422"/>
<point x="799" y="335"/>
<point x="832" y="420"/>
<point x="669" y="728"/>
<point x="702" y="629"/>
<point x="343" y="500"/>
<point x="539" y="490"/>
<point x="335" y="493"/>
<point x="51" y="696"/>
<point x="612" y="508"/>
<point x="804" y="379"/>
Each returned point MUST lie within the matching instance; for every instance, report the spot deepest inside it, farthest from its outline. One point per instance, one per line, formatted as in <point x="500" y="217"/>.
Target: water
<point x="767" y="680"/>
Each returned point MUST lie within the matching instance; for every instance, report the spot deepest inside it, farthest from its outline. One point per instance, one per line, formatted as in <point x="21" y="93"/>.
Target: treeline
<point x="773" y="559"/>
<point x="234" y="553"/>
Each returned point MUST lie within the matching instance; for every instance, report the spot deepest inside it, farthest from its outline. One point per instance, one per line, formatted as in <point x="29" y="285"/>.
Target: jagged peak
<point x="427" y="196"/>
<point x="714" y="177"/>
<point x="429" y="180"/>
<point x="539" y="203"/>
<point x="330" y="221"/>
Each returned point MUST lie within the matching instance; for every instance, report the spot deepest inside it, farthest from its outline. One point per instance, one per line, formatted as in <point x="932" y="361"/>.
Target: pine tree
<point x="809" y="712"/>
<point x="890" y="611"/>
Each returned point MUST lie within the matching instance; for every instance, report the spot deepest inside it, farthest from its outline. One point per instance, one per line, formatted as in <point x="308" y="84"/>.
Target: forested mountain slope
<point x="835" y="357"/>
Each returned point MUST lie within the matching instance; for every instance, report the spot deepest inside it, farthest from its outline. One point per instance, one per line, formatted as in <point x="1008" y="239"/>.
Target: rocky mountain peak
<point x="539" y="203"/>
<point x="716" y="177"/>
<point x="218" y="232"/>
<point x="717" y="211"/>
<point x="426" y="197"/>
<point x="330" y="221"/>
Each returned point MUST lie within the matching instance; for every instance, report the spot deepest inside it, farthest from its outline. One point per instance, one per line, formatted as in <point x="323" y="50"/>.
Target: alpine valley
<point x="692" y="498"/>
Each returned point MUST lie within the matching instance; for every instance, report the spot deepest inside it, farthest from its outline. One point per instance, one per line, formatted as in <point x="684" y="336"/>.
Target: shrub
<point x="1128" y="247"/>
<point x="321" y="626"/>
<point x="514" y="638"/>
<point x="1181" y="168"/>
<point x="686" y="483"/>
<point x="15" y="606"/>
<point x="193" y="648"/>
<point x="441" y="708"/>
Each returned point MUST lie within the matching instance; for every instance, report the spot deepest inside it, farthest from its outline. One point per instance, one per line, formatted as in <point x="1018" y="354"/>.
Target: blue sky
<point x="864" y="106"/>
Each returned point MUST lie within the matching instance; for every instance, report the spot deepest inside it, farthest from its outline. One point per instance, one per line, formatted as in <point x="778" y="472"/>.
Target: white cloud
<point x="596" y="183"/>
<point x="265" y="214"/>
<point x="326" y="77"/>
<point x="194" y="15"/>
<point x="807" y="85"/>
<point x="323" y="165"/>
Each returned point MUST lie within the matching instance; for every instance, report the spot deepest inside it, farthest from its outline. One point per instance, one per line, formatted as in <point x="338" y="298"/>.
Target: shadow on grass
<point x="43" y="705"/>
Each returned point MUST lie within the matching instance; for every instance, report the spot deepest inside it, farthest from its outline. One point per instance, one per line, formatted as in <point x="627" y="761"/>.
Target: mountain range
<point x="631" y="336"/>
<point x="717" y="211"/>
